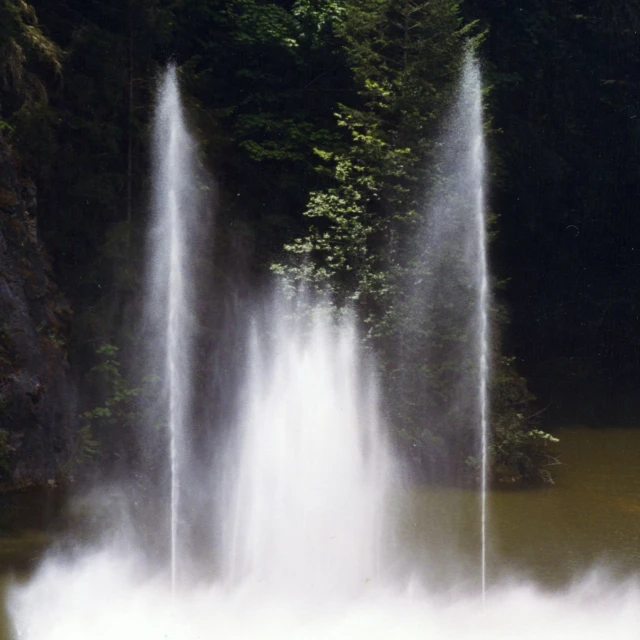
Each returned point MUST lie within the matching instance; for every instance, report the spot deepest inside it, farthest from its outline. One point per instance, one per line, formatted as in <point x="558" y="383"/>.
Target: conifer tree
<point x="404" y="55"/>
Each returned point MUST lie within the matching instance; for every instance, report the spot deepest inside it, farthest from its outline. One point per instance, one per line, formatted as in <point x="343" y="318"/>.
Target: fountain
<point x="471" y="115"/>
<point x="444" y="326"/>
<point x="311" y="494"/>
<point x="170" y="307"/>
<point x="310" y="463"/>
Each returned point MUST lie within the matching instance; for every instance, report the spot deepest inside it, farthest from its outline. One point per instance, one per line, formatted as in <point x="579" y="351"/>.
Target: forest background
<point x="320" y="120"/>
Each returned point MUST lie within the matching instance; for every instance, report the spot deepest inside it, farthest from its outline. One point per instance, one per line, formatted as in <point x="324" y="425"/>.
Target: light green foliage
<point x="123" y="408"/>
<point x="541" y="435"/>
<point x="403" y="56"/>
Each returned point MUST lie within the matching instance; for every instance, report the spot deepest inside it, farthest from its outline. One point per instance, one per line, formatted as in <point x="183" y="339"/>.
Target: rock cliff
<point x="36" y="401"/>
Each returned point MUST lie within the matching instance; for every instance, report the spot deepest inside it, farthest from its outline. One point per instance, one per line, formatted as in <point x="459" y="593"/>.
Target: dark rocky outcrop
<point x="36" y="399"/>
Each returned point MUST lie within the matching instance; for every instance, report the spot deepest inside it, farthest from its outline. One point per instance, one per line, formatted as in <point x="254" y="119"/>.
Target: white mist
<point x="311" y="467"/>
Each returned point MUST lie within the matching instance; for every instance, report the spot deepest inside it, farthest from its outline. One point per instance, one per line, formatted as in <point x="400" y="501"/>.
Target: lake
<point x="552" y="535"/>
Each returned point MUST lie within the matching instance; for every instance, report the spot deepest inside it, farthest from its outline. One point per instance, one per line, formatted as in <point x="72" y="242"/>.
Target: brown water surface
<point x="552" y="535"/>
<point x="28" y="522"/>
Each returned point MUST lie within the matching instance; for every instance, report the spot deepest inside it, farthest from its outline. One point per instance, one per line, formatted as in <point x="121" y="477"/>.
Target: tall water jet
<point x="442" y="386"/>
<point x="170" y="308"/>
<point x="471" y="95"/>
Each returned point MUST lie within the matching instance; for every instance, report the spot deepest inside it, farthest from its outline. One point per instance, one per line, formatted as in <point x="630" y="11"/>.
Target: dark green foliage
<point x="319" y="118"/>
<point x="23" y="46"/>
<point x="29" y="61"/>
<point x="361" y="244"/>
<point x="566" y="98"/>
<point x="93" y="169"/>
<point x="520" y="449"/>
<point x="266" y="77"/>
<point x="6" y="449"/>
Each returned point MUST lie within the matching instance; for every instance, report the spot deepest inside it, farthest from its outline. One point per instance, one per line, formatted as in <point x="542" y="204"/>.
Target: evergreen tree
<point x="403" y="56"/>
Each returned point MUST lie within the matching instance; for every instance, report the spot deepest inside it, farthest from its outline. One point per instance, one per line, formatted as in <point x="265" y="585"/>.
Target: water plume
<point x="471" y="113"/>
<point x="442" y="389"/>
<point x="311" y="465"/>
<point x="176" y="228"/>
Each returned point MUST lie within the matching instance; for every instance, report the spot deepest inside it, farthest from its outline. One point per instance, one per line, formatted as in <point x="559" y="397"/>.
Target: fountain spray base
<point x="109" y="595"/>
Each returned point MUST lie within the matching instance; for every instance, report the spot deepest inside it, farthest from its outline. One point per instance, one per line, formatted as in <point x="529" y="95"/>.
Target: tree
<point x="403" y="56"/>
<point x="265" y="78"/>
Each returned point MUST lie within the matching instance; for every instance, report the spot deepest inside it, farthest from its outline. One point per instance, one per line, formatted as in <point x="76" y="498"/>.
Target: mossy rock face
<point x="8" y="200"/>
<point x="36" y="415"/>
